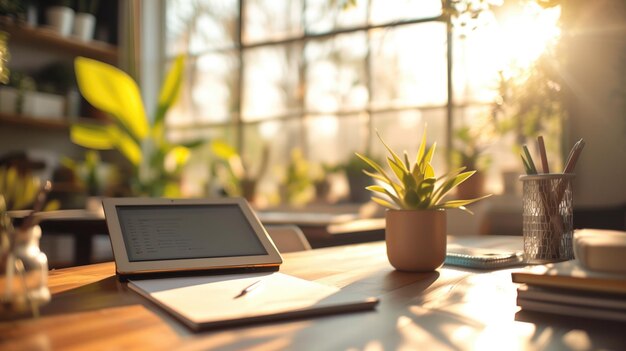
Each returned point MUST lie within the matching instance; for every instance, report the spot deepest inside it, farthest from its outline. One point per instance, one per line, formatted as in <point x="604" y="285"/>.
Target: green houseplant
<point x="415" y="229"/>
<point x="237" y="177"/>
<point x="156" y="162"/>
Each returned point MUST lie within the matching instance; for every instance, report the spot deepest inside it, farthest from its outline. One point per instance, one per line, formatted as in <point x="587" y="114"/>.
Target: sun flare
<point x="526" y="34"/>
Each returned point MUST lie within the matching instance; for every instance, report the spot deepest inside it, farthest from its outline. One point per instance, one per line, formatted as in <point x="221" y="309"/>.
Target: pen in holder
<point x="548" y="217"/>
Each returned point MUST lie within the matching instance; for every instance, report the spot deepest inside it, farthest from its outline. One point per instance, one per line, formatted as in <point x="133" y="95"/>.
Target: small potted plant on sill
<point x="236" y="175"/>
<point x="415" y="230"/>
<point x="470" y="151"/>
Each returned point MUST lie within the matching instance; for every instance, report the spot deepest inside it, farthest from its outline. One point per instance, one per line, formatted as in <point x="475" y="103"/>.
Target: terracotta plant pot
<point x="416" y="239"/>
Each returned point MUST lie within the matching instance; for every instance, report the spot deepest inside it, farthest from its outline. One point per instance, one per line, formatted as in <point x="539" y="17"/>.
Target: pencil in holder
<point x="548" y="217"/>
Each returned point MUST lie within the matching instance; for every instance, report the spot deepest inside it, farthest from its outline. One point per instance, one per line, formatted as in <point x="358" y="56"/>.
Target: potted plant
<point x="415" y="231"/>
<point x="468" y="151"/>
<point x="297" y="188"/>
<point x="236" y="175"/>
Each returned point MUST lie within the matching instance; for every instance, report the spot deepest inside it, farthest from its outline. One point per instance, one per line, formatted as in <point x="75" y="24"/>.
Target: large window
<point x="321" y="76"/>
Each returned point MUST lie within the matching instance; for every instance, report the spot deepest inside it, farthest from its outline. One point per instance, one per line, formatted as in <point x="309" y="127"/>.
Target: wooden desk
<point x="448" y="309"/>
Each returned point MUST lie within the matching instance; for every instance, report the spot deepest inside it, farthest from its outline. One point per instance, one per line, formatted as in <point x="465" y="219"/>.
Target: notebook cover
<point x="571" y="275"/>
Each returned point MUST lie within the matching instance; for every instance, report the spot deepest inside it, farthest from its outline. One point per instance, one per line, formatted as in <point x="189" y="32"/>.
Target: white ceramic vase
<point x="416" y="239"/>
<point x="84" y="26"/>
<point x="60" y="19"/>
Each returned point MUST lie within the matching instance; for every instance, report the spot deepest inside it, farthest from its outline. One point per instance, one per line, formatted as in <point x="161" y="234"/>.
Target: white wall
<point x="596" y="50"/>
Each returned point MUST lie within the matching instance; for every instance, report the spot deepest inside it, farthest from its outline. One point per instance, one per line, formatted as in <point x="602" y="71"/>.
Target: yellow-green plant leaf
<point x="92" y="136"/>
<point x="398" y="170"/>
<point x="425" y="164"/>
<point x="459" y="203"/>
<point x="406" y="161"/>
<point x="127" y="146"/>
<point x="222" y="150"/>
<point x="113" y="91"/>
<point x="382" y="190"/>
<point x="395" y="156"/>
<point x="384" y="203"/>
<point x="420" y="151"/>
<point x="170" y="89"/>
<point x="176" y="158"/>
<point x="376" y="176"/>
<point x="409" y="181"/>
<point x="452" y="183"/>
<point x="447" y="184"/>
<point x="380" y="170"/>
<point x="411" y="199"/>
<point x="431" y="152"/>
<point x="376" y="188"/>
<point x="171" y="189"/>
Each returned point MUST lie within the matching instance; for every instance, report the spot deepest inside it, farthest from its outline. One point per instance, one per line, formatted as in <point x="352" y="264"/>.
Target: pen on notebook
<point x="248" y="289"/>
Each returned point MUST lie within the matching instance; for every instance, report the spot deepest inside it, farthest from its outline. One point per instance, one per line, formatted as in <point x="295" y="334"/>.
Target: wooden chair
<point x="288" y="238"/>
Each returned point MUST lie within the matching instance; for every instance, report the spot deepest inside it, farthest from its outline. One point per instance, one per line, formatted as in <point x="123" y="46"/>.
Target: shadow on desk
<point x="598" y="332"/>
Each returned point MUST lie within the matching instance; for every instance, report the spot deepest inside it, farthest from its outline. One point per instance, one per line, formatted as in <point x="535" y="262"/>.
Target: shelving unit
<point x="24" y="38"/>
<point x="52" y="41"/>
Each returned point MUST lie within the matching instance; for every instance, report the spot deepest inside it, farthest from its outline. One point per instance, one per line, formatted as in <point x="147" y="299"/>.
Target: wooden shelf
<point x="45" y="37"/>
<point x="12" y="119"/>
<point x="30" y="121"/>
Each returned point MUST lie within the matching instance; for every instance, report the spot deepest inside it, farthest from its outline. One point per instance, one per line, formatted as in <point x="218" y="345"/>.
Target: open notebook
<point x="203" y="302"/>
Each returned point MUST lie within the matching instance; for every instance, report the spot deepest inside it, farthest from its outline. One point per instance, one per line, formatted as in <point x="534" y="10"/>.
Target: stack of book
<point x="567" y="288"/>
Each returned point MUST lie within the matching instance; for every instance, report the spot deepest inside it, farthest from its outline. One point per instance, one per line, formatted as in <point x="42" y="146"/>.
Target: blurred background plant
<point x="297" y="186"/>
<point x="19" y="189"/>
<point x="95" y="177"/>
<point x="357" y="180"/>
<point x="234" y="173"/>
<point x="156" y="162"/>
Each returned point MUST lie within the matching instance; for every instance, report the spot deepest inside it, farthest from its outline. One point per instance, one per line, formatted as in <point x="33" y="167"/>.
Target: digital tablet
<point x="151" y="235"/>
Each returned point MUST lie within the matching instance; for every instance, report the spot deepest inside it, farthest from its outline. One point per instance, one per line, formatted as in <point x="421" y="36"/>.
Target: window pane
<point x="383" y="12"/>
<point x="325" y="16"/>
<point x="208" y="91"/>
<point x="199" y="25"/>
<point x="402" y="130"/>
<point x="336" y="74"/>
<point x="409" y="65"/>
<point x="333" y="140"/>
<point x="214" y="82"/>
<point x="201" y="133"/>
<point x="271" y="20"/>
<point x="271" y="81"/>
<point x="475" y="69"/>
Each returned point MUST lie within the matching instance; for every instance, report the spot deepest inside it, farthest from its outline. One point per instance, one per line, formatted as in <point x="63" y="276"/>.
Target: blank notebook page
<point x="211" y="301"/>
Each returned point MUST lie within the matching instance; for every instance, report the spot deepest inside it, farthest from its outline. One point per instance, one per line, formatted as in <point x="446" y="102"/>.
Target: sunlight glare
<point x="269" y="129"/>
<point x="526" y="35"/>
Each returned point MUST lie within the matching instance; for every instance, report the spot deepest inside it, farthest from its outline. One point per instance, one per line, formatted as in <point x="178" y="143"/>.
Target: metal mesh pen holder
<point x="548" y="217"/>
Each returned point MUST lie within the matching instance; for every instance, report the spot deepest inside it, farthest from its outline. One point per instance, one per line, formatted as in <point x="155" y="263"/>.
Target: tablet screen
<point x="161" y="232"/>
